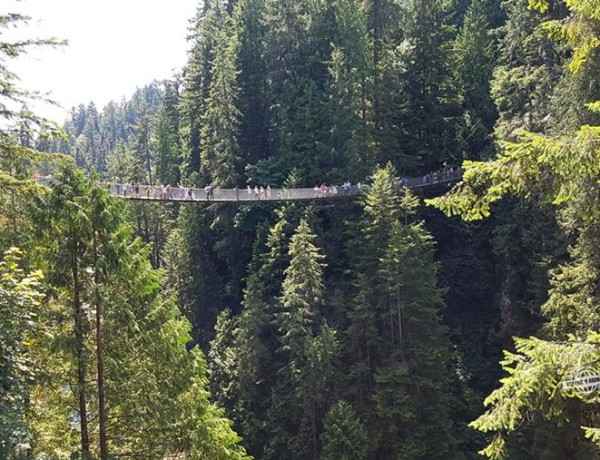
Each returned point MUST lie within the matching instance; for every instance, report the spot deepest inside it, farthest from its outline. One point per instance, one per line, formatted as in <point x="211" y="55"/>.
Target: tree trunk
<point x="79" y="343"/>
<point x="377" y="25"/>
<point x="100" y="356"/>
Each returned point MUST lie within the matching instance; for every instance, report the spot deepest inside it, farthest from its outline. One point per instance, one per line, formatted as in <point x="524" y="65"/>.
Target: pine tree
<point x="69" y="237"/>
<point x="349" y="92"/>
<point x="165" y="137"/>
<point x="253" y="106"/>
<point x="421" y="115"/>
<point x="411" y="391"/>
<point x="142" y="149"/>
<point x="399" y="345"/>
<point x="200" y="284"/>
<point x="220" y="127"/>
<point x="344" y="435"/>
<point x="150" y="390"/>
<point x="91" y="132"/>
<point x="475" y="54"/>
<point x="19" y="126"/>
<point x="256" y="338"/>
<point x="196" y="84"/>
<point x="19" y="301"/>
<point x="530" y="66"/>
<point x="308" y="352"/>
<point x="295" y="55"/>
<point x="549" y="169"/>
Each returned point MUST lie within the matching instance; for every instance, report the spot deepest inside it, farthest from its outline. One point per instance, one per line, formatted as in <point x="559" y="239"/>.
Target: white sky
<point x="114" y="47"/>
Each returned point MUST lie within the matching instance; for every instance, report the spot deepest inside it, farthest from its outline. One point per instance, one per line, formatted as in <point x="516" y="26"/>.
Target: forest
<point x="455" y="321"/>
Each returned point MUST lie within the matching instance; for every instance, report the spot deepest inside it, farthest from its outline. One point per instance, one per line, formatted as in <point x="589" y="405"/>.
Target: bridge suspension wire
<point x="144" y="192"/>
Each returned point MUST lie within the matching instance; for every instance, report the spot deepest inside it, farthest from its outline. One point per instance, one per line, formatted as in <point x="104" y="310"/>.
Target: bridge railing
<point x="155" y="192"/>
<point x="169" y="193"/>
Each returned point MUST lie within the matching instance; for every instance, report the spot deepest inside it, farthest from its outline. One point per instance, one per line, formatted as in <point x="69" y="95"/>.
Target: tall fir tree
<point x="349" y="94"/>
<point x="138" y="337"/>
<point x="308" y="349"/>
<point x="165" y="136"/>
<point x="196" y="85"/>
<point x="400" y="347"/>
<point x="220" y="128"/>
<point x="422" y="117"/>
<point x="475" y="54"/>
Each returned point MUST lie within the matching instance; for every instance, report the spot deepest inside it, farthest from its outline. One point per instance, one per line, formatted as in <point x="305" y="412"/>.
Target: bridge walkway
<point x="142" y="192"/>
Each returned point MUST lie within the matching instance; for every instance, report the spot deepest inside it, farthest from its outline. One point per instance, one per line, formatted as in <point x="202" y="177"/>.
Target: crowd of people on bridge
<point x="134" y="189"/>
<point x="441" y="175"/>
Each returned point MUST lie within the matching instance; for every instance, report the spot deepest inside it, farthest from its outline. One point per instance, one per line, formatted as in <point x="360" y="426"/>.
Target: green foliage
<point x="166" y="141"/>
<point x="425" y="100"/>
<point x="344" y="435"/>
<point x="560" y="170"/>
<point x="550" y="169"/>
<point x="534" y="383"/>
<point x="219" y="133"/>
<point x="195" y="89"/>
<point x="475" y="54"/>
<point x="14" y="101"/>
<point x="155" y="388"/>
<point x="20" y="299"/>
<point x="307" y="351"/>
<point x="399" y="347"/>
<point x="576" y="31"/>
<point x="321" y="91"/>
<point x="529" y="68"/>
<point x="19" y="128"/>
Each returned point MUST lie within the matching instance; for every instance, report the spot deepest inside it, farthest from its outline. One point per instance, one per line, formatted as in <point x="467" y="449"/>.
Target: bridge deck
<point x="221" y="195"/>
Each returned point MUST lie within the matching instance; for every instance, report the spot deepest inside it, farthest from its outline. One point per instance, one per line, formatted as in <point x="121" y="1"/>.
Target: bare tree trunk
<point x="79" y="342"/>
<point x="100" y="356"/>
<point x="377" y="24"/>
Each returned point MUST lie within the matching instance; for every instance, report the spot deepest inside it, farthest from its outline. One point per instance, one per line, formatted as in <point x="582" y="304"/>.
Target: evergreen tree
<point x="344" y="435"/>
<point x="253" y="105"/>
<point x="165" y="137"/>
<point x="551" y="169"/>
<point x="69" y="237"/>
<point x="296" y="50"/>
<point x="93" y="156"/>
<point x="19" y="126"/>
<point x="219" y="133"/>
<point x="530" y="66"/>
<point x="348" y="94"/>
<point x="19" y="301"/>
<point x="398" y="375"/>
<point x="142" y="149"/>
<point x="308" y="352"/>
<point x="421" y="117"/>
<point x="151" y="391"/>
<point x="198" y="282"/>
<point x="196" y="85"/>
<point x="411" y="393"/>
<point x="256" y="338"/>
<point x="474" y="51"/>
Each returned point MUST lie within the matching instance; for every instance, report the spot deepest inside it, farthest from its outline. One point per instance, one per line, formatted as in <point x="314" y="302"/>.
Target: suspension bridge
<point x="141" y="192"/>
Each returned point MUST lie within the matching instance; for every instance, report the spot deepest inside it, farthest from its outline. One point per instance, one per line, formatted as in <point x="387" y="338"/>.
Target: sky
<point x="115" y="46"/>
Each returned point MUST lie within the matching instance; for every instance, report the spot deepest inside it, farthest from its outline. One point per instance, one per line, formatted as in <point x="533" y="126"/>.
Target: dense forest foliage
<point x="433" y="324"/>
